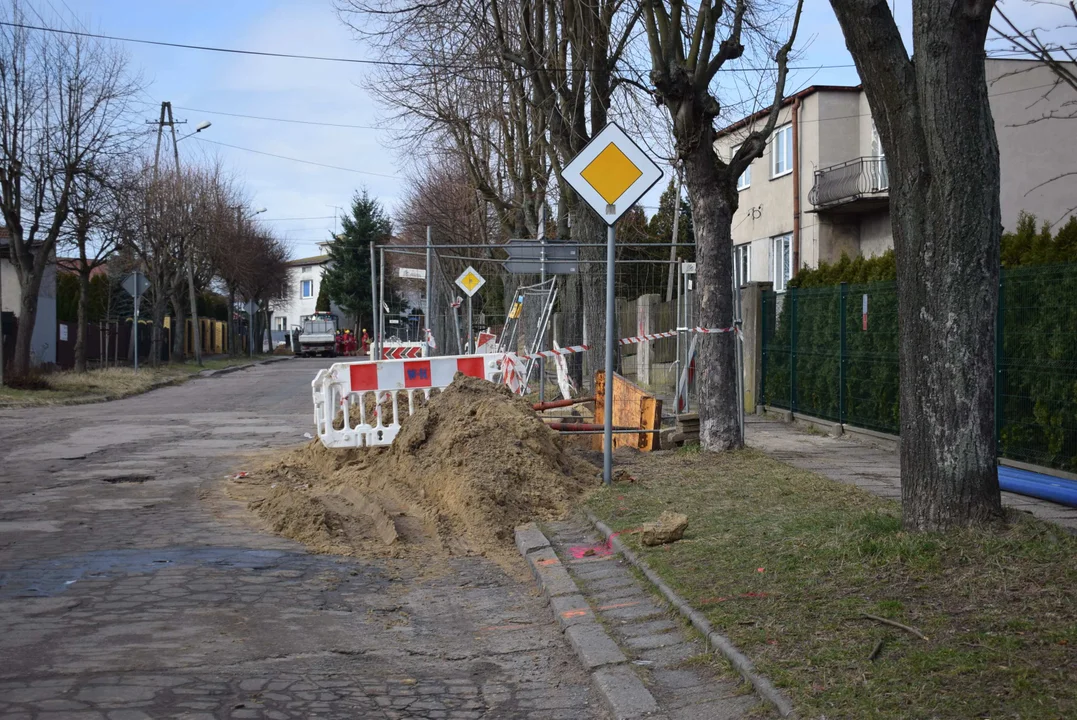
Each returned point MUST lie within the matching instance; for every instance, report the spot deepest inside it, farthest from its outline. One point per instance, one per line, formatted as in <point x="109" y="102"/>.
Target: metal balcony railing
<point x="849" y="181"/>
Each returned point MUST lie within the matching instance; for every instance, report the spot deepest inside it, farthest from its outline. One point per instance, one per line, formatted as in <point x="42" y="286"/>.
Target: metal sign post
<point x="135" y="284"/>
<point x="611" y="174"/>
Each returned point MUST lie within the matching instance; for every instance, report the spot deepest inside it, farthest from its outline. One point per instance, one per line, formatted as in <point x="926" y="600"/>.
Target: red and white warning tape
<point x="554" y="353"/>
<point x="646" y="338"/>
<point x="671" y="333"/>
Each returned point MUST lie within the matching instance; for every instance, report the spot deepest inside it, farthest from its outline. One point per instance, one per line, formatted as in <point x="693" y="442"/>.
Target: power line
<point x="312" y="217"/>
<point x="283" y="120"/>
<point x="298" y="160"/>
<point x="328" y="58"/>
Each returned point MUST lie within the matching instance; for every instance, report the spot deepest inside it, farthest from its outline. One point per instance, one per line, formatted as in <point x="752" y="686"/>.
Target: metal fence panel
<point x="870" y="358"/>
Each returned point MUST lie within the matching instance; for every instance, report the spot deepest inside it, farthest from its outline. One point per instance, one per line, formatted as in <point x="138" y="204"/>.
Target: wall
<point x="43" y="340"/>
<point x="1030" y="154"/>
<point x="876" y="234"/>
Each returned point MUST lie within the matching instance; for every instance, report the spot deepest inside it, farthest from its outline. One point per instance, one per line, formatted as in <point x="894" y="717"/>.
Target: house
<point x="304" y="283"/>
<point x="43" y="340"/>
<point x="822" y="186"/>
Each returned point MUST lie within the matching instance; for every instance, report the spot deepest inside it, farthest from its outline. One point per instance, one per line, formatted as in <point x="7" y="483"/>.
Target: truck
<point x="317" y="336"/>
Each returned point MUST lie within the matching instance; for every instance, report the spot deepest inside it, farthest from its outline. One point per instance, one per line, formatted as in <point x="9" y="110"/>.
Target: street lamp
<point x="199" y="128"/>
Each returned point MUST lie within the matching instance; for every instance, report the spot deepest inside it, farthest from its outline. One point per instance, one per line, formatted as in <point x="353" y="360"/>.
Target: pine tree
<point x="347" y="278"/>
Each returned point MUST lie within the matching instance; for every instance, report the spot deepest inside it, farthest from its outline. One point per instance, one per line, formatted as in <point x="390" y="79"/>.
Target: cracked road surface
<point x="131" y="587"/>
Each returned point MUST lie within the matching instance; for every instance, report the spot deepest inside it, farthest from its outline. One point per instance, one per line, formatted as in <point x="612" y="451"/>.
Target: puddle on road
<point x="51" y="577"/>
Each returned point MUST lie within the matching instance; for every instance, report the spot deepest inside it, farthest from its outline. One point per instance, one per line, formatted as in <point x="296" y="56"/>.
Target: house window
<point x="282" y="322"/>
<point x="745" y="179"/>
<point x="742" y="264"/>
<point x="781" y="151"/>
<point x="306" y="288"/>
<point x="781" y="261"/>
<point x="305" y="270"/>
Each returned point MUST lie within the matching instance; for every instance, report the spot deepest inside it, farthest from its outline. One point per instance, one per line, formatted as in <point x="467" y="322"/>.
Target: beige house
<point x="821" y="187"/>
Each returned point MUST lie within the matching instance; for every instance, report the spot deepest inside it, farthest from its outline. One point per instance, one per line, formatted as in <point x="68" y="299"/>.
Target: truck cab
<point x="317" y="335"/>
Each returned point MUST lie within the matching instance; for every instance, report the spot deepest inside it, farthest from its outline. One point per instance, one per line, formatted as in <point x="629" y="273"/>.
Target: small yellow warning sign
<point x="470" y="281"/>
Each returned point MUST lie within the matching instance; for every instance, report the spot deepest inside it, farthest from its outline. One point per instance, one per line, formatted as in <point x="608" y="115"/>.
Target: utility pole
<point x="372" y="351"/>
<point x="166" y="111"/>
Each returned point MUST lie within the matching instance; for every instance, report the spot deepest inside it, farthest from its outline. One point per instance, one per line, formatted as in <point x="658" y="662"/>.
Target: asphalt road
<point x="132" y="587"/>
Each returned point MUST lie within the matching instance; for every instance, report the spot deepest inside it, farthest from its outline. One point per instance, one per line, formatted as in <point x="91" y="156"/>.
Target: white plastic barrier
<point x="346" y="388"/>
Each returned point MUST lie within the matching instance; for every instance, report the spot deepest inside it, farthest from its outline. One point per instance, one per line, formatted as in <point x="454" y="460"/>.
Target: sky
<point x="302" y="201"/>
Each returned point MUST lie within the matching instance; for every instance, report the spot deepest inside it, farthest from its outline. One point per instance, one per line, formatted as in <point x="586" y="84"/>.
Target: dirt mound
<point x="465" y="469"/>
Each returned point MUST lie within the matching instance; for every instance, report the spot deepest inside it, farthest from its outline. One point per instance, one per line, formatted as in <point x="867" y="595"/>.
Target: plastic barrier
<point x="363" y="392"/>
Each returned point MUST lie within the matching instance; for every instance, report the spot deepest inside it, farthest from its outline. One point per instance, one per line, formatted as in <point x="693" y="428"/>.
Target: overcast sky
<point x="302" y="200"/>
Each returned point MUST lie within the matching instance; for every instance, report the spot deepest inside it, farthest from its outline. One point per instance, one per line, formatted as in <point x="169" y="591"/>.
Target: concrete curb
<point x="716" y="640"/>
<point x="612" y="677"/>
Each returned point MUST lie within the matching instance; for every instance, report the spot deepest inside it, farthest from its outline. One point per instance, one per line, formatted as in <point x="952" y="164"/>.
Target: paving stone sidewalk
<point x="658" y="645"/>
<point x="864" y="464"/>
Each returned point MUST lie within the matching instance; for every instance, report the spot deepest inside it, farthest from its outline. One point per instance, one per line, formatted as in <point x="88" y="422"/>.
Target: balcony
<point x="858" y="185"/>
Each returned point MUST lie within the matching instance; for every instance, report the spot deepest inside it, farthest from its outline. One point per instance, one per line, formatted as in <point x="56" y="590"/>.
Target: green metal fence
<point x="833" y="353"/>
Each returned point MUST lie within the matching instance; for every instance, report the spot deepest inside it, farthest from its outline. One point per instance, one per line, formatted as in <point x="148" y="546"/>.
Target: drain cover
<point x="116" y="479"/>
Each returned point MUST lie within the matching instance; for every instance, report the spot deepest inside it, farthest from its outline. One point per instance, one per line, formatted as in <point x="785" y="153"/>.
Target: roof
<point x="788" y="100"/>
<point x="315" y="260"/>
<point x="72" y="265"/>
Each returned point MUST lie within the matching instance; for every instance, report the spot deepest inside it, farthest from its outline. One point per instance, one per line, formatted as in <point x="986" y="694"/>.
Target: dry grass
<point x="786" y="562"/>
<point x="69" y="387"/>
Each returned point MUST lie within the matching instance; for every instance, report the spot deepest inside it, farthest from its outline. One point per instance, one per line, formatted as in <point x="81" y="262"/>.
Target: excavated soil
<point x="466" y="468"/>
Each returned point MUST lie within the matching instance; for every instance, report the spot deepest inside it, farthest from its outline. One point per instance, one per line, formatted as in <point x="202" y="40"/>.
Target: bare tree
<point x="947" y="226"/>
<point x="94" y="233"/>
<point x="1032" y="41"/>
<point x="688" y="48"/>
<point x="63" y="104"/>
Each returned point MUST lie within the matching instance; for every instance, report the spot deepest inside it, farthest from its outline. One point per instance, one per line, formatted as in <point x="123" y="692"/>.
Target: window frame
<point x="303" y="289"/>
<point x="781" y="133"/>
<point x="742" y="252"/>
<point x="282" y="322"/>
<point x="305" y="270"/>
<point x="785" y="242"/>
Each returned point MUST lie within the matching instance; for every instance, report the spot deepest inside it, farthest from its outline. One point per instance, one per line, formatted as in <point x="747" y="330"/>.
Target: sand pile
<point x="465" y="470"/>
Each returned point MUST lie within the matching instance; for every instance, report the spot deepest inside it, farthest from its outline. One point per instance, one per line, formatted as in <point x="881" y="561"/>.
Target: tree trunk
<point x="179" y="328"/>
<point x="83" y="321"/>
<point x="24" y="333"/>
<point x="936" y="126"/>
<point x="157" y="334"/>
<point x="716" y="370"/>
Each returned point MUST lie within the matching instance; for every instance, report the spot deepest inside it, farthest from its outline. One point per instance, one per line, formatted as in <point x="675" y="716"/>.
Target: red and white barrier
<point x="346" y="387"/>
<point x="555" y="352"/>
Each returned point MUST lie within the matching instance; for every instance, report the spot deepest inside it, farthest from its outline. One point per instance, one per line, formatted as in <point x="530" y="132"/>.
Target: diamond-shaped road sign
<point x="470" y="281"/>
<point x="135" y="284"/>
<point x="611" y="173"/>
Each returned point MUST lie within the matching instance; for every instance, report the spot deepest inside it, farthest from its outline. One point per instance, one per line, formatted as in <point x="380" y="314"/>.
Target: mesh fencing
<point x="833" y="353"/>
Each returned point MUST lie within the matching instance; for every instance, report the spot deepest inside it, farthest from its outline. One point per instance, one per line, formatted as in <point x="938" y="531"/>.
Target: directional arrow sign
<point x="611" y="173"/>
<point x="525" y="257"/>
<point x="470" y="281"/>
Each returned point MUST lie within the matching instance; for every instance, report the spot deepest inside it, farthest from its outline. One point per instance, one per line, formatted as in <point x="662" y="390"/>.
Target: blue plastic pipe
<point x="1038" y="485"/>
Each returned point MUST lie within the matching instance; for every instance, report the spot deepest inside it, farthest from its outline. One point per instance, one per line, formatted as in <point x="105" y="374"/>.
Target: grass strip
<point x="68" y="387"/>
<point x="787" y="564"/>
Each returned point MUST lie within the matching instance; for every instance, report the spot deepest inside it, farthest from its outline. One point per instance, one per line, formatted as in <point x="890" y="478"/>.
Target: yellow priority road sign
<point x="470" y="281"/>
<point x="611" y="173"/>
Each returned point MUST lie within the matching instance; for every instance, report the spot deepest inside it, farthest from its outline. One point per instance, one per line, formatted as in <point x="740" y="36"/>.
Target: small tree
<point x="322" y="305"/>
<point x="346" y="281"/>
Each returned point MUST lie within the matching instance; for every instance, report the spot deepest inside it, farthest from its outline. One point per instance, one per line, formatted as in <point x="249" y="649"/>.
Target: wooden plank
<point x="632" y="407"/>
